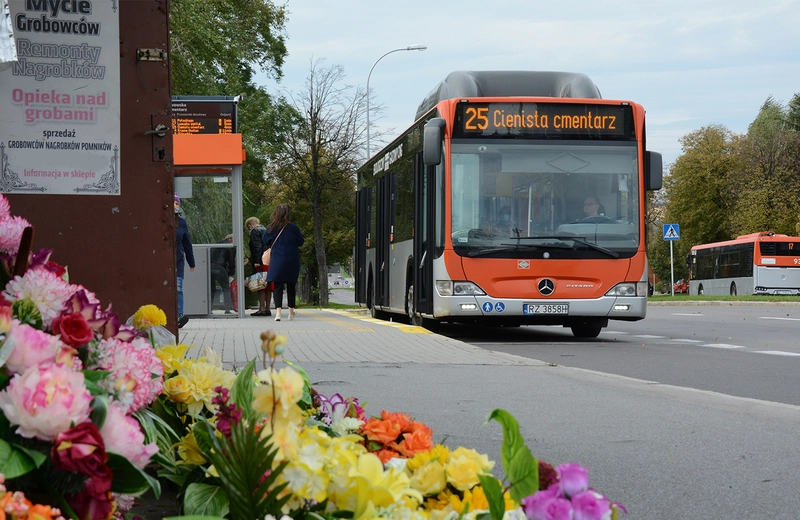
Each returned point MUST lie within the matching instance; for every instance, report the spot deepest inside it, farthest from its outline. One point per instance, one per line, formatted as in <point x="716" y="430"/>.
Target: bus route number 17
<point x="477" y="118"/>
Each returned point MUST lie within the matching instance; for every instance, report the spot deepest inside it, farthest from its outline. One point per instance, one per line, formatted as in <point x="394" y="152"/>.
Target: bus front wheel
<point x="586" y="331"/>
<point x="414" y="317"/>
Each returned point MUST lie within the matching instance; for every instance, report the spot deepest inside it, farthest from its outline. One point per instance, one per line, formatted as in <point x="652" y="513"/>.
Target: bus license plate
<point x="545" y="308"/>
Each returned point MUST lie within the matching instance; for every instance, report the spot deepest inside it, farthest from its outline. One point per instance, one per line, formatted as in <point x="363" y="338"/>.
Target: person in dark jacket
<point x="223" y="266"/>
<point x="257" y="246"/>
<point x="285" y="240"/>
<point x="183" y="248"/>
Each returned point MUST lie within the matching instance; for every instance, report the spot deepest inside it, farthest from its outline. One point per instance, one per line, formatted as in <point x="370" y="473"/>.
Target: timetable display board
<point x="203" y="116"/>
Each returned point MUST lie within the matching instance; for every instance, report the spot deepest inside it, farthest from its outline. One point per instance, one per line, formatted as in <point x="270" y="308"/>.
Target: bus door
<point x="363" y="220"/>
<point x="424" y="243"/>
<point x="384" y="212"/>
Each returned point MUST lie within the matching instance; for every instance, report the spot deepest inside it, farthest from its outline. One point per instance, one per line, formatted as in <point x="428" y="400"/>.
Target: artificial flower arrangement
<point x="268" y="445"/>
<point x="89" y="408"/>
<point x="72" y="379"/>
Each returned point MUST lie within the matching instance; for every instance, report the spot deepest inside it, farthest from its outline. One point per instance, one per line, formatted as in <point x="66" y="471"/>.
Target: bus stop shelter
<point x="208" y="179"/>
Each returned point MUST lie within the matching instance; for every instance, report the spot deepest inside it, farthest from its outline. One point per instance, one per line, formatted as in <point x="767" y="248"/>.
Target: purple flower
<point x="590" y="505"/>
<point x="573" y="479"/>
<point x="547" y="507"/>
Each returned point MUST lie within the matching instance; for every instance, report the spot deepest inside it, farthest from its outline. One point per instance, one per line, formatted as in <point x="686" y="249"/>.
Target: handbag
<point x="266" y="256"/>
<point x="257" y="281"/>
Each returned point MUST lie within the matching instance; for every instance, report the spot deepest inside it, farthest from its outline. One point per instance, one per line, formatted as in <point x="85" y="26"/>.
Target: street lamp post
<point x="416" y="47"/>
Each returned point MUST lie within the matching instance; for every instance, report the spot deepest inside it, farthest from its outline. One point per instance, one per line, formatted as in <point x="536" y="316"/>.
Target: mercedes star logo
<point x="546" y="286"/>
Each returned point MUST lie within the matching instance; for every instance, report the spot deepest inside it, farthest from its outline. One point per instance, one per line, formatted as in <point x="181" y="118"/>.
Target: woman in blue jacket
<point x="285" y="240"/>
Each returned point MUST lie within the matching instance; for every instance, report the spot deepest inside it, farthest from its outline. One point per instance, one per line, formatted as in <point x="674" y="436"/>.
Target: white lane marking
<point x="777" y="318"/>
<point x="776" y="353"/>
<point x="676" y="340"/>
<point x="688" y="314"/>
<point x="648" y="336"/>
<point x="721" y="345"/>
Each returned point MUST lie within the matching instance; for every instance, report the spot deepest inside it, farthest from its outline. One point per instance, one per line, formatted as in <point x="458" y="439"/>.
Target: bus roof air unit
<point x="510" y="83"/>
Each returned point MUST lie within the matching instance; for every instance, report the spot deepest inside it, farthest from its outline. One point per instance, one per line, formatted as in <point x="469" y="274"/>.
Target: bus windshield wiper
<point x="511" y="247"/>
<point x="580" y="240"/>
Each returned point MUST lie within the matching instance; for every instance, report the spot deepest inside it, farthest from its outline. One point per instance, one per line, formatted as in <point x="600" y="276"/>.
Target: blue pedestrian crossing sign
<point x="672" y="232"/>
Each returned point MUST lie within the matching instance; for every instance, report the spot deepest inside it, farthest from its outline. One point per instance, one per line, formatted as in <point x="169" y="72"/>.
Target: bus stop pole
<point x="671" y="271"/>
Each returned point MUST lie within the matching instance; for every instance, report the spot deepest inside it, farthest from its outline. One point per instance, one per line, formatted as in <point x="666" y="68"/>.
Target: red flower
<point x="73" y="329"/>
<point x="81" y="449"/>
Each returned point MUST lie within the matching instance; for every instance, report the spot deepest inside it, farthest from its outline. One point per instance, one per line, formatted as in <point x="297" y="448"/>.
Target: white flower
<point x="45" y="289"/>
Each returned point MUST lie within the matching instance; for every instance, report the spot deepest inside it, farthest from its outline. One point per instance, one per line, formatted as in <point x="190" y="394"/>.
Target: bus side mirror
<point x="653" y="171"/>
<point x="432" y="141"/>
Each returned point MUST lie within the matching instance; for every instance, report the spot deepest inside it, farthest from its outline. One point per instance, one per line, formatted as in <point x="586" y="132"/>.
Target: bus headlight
<point x="629" y="289"/>
<point x="450" y="288"/>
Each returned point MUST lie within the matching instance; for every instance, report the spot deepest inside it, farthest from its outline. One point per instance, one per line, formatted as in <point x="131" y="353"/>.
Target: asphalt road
<point x="746" y="351"/>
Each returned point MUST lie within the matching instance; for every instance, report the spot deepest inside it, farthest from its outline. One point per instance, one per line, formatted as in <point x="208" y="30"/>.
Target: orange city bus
<point x="758" y="263"/>
<point x="475" y="213"/>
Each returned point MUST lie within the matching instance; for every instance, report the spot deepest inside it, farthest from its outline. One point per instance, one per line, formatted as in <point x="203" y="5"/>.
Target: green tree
<point x="318" y="162"/>
<point x="697" y="187"/>
<point x="215" y="45"/>
<point x="766" y="187"/>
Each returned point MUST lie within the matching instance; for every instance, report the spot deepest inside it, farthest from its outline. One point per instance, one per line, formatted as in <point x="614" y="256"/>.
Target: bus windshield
<point x="533" y="199"/>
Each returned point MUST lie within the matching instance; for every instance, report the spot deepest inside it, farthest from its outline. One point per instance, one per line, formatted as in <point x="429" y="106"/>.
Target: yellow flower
<point x="149" y="316"/>
<point x="189" y="451"/>
<point x="178" y="389"/>
<point x="464" y="466"/>
<point x="171" y="357"/>
<point x="202" y="379"/>
<point x="281" y="390"/>
<point x="378" y="488"/>
<point x="430" y="479"/>
<point x="438" y="452"/>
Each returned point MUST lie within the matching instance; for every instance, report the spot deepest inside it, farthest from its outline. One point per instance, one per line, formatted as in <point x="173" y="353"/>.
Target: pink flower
<point x="11" y="229"/>
<point x="590" y="505"/>
<point x="136" y="373"/>
<point x="45" y="289"/>
<point x="573" y="479"/>
<point x="30" y="346"/>
<point x="5" y="207"/>
<point x="45" y="400"/>
<point x="122" y="435"/>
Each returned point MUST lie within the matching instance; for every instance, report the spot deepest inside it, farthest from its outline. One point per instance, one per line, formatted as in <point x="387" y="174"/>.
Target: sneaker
<point x="183" y="320"/>
<point x="277" y="316"/>
<point x="292" y="314"/>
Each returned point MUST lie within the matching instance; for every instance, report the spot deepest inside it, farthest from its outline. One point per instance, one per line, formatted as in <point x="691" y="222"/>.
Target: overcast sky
<point x="689" y="63"/>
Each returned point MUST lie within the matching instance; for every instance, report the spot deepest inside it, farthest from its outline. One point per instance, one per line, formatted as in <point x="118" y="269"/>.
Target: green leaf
<point x="494" y="495"/>
<point x="520" y="466"/>
<point x="242" y="390"/>
<point x="194" y="517"/>
<point x="14" y="461"/>
<point x="205" y="499"/>
<point x="99" y="410"/>
<point x="129" y="479"/>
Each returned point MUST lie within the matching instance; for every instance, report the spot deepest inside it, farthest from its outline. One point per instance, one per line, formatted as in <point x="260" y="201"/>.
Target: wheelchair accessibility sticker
<point x="497" y="307"/>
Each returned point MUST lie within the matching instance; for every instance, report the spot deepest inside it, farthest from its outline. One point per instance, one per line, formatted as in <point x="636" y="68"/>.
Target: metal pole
<point x="416" y="47"/>
<point x="671" y="271"/>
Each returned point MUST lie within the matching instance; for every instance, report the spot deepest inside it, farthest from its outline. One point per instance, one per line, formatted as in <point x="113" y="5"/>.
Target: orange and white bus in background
<point x="758" y="263"/>
<point x="476" y="212"/>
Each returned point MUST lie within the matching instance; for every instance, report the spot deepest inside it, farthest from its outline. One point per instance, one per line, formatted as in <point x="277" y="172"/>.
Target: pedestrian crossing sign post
<point x="672" y="232"/>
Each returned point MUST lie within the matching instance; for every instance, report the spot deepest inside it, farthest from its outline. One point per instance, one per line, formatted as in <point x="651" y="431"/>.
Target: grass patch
<point x="707" y="297"/>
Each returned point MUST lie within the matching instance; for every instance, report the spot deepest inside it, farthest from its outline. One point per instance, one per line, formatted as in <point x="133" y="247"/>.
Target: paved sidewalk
<point x="334" y="336"/>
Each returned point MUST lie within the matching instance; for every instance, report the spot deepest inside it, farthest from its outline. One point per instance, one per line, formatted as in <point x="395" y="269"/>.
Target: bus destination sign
<point x="570" y="120"/>
<point x="203" y="117"/>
